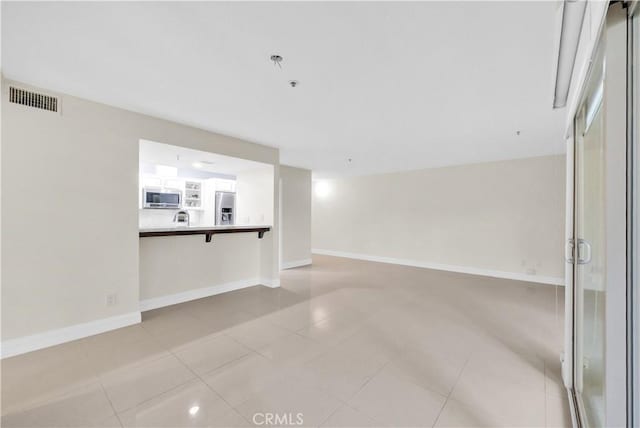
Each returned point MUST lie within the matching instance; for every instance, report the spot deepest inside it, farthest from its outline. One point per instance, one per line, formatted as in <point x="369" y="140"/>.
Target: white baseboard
<point x="271" y="283"/>
<point x="451" y="268"/>
<point x="198" y="293"/>
<point x="21" y="345"/>
<point x="296" y="263"/>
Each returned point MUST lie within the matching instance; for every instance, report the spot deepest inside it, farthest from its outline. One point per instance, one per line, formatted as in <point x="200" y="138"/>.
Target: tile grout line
<point x="156" y="396"/>
<point x="419" y="385"/>
<point x="99" y="378"/>
<point x="258" y="353"/>
<point x="451" y="391"/>
<point x="546" y="417"/>
<point x="346" y="402"/>
<point x="366" y="382"/>
<point x="170" y="351"/>
<point x="342" y="406"/>
<point x="104" y="391"/>
<point x="332" y="346"/>
<point x="209" y="386"/>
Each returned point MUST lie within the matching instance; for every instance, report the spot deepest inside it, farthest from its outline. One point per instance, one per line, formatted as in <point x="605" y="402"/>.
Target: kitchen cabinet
<point x="192" y="194"/>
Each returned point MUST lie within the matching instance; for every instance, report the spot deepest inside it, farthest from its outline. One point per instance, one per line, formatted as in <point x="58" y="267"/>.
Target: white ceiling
<point x="185" y="158"/>
<point x="393" y="86"/>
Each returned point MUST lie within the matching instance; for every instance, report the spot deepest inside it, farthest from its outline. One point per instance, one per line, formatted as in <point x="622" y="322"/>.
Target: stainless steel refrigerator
<point x="225" y="208"/>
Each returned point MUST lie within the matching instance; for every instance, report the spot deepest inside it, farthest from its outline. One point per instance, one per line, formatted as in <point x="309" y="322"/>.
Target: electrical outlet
<point x="531" y="271"/>
<point x="112" y="299"/>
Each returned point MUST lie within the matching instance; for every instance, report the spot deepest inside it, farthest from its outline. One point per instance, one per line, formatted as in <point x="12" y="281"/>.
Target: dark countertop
<point x="208" y="231"/>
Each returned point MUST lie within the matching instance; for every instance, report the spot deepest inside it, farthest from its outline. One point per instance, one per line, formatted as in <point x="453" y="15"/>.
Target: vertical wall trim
<point x="632" y="138"/>
<point x="615" y="217"/>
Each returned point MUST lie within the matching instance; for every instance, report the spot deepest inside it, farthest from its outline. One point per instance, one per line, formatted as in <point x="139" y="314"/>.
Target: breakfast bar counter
<point x="208" y="231"/>
<point x="176" y="264"/>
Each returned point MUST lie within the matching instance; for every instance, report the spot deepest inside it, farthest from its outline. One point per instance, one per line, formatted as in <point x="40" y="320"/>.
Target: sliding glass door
<point x="589" y="244"/>
<point x="604" y="261"/>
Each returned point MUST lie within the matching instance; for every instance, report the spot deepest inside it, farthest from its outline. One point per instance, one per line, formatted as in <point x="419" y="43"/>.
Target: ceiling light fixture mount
<point x="293" y="83"/>
<point x="277" y="60"/>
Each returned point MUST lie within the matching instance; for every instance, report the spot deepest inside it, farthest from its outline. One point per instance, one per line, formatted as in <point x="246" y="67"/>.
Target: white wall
<point x="65" y="248"/>
<point x="295" y="216"/>
<point x="174" y="265"/>
<point x="505" y="218"/>
<point x="254" y="196"/>
<point x="257" y="191"/>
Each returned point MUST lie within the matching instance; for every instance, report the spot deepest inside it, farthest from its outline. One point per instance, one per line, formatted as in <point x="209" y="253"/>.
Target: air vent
<point x="33" y="99"/>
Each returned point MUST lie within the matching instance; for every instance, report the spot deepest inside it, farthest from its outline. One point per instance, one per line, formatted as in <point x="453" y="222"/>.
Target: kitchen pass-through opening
<point x="184" y="187"/>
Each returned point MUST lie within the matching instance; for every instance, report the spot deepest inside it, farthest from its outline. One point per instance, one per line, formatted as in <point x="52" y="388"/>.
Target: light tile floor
<point x="344" y="343"/>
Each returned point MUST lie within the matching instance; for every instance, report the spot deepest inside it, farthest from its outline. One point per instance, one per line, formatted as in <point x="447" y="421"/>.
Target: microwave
<point x="161" y="199"/>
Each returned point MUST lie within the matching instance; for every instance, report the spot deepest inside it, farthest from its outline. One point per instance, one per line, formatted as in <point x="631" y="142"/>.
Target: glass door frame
<point x="621" y="388"/>
<point x="577" y="296"/>
<point x="633" y="184"/>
